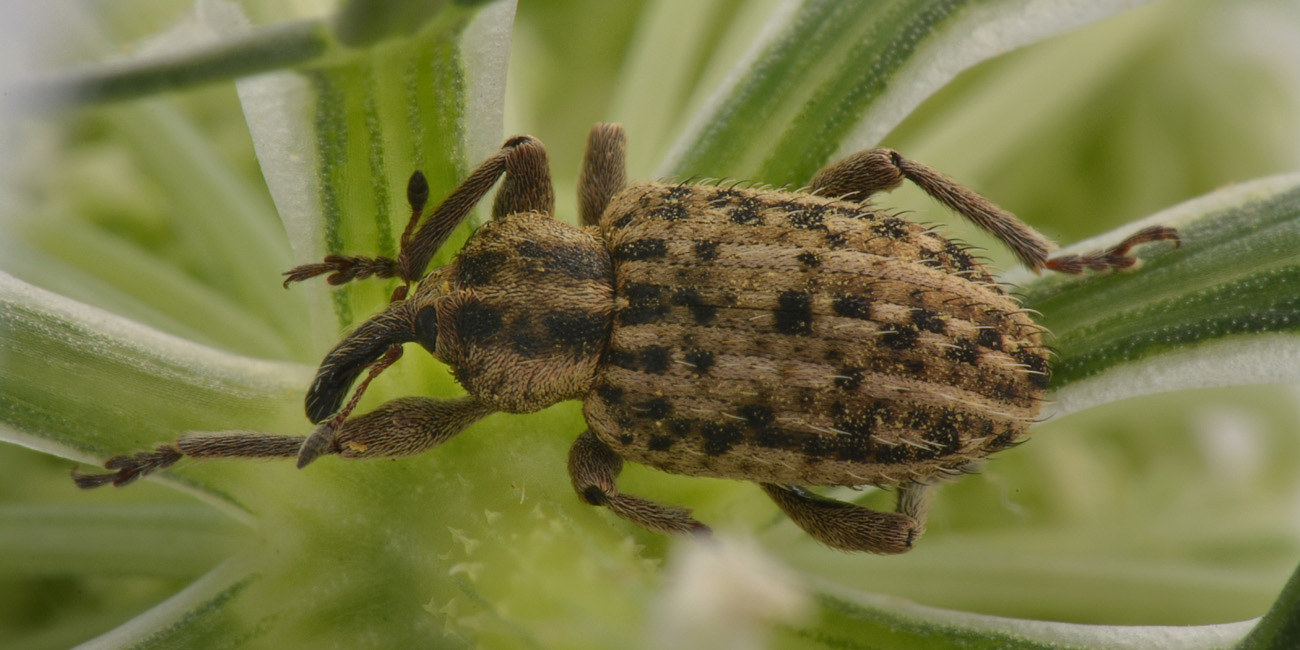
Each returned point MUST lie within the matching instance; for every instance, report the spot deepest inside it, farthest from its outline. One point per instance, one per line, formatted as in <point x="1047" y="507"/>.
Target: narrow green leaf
<point x="857" y="620"/>
<point x="338" y="141"/>
<point x="1224" y="309"/>
<point x="1280" y="627"/>
<point x="189" y="619"/>
<point x="85" y="384"/>
<point x="266" y="49"/>
<point x="116" y="539"/>
<point x="830" y="77"/>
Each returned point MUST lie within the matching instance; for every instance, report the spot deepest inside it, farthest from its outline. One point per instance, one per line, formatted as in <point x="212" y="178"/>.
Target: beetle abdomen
<point x="785" y="337"/>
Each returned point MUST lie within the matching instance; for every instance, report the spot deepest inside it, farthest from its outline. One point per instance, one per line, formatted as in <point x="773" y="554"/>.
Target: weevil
<point x="790" y="338"/>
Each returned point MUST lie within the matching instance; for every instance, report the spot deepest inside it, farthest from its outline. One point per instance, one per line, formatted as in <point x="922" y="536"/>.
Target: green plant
<point x="140" y="298"/>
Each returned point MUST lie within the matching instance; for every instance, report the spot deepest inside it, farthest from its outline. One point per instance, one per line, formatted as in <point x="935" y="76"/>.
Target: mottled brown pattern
<point x="527" y="311"/>
<point x="864" y="368"/>
<point x="783" y="338"/>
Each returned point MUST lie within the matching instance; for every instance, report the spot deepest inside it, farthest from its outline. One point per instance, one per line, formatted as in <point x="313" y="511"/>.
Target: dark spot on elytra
<point x="809" y="259"/>
<point x="927" y="320"/>
<point x="892" y="228"/>
<point x="893" y="454"/>
<point x="627" y="438"/>
<point x="723" y="197"/>
<point x="807" y="217"/>
<point x="852" y="307"/>
<point x="1008" y="391"/>
<point x="960" y="257"/>
<point x="706" y="251"/>
<point x="794" y="313"/>
<point x="719" y="437"/>
<point x="657" y="408"/>
<point x="747" y="212"/>
<point x="835" y="239"/>
<point x="580" y="331"/>
<point x="898" y="337"/>
<point x="671" y="212"/>
<point x="476" y="322"/>
<point x="645" y="304"/>
<point x="641" y="315"/>
<point x="688" y="297"/>
<point x="477" y="268"/>
<point x="655" y="359"/>
<point x="917" y="419"/>
<point x="643" y="294"/>
<point x="660" y="442"/>
<point x="945" y="434"/>
<point x="641" y="249"/>
<point x="848" y="378"/>
<point x="989" y="338"/>
<point x="1040" y="373"/>
<point x="1002" y="441"/>
<point x="679" y="427"/>
<point x="963" y="351"/>
<point x="624" y="221"/>
<point x="679" y="192"/>
<point x="610" y="393"/>
<point x="757" y="415"/>
<point x="701" y="359"/>
<point x="816" y="447"/>
<point x="913" y="367"/>
<point x="623" y="359"/>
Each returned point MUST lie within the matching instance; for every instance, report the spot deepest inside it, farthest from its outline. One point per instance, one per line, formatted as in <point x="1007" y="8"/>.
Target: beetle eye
<point x="426" y="328"/>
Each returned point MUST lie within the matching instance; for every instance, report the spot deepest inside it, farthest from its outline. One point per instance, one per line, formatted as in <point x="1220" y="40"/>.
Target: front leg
<point x="402" y="427"/>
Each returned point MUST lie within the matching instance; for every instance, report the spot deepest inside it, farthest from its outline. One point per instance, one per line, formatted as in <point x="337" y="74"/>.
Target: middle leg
<point x="593" y="467"/>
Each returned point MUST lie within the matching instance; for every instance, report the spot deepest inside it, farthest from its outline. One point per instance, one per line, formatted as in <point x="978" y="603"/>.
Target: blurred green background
<point x="1172" y="509"/>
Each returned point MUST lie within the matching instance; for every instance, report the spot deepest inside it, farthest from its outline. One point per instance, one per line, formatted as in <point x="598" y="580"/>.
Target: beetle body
<point x="791" y="338"/>
<point x="787" y="338"/>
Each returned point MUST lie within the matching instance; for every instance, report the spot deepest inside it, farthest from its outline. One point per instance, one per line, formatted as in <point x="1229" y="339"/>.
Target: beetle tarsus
<point x="129" y="468"/>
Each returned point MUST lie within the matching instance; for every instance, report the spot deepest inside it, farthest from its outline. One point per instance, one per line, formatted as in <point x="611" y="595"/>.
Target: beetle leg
<point x="401" y="427"/>
<point x="604" y="171"/>
<point x="876" y="170"/>
<point x="527" y="183"/>
<point x="882" y="170"/>
<point x="851" y="527"/>
<point x="593" y="467"/>
<point x="1115" y="257"/>
<point x="527" y="188"/>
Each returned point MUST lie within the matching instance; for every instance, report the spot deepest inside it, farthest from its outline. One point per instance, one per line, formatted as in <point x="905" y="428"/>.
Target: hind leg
<point x="850" y="527"/>
<point x="881" y="170"/>
<point x="593" y="467"/>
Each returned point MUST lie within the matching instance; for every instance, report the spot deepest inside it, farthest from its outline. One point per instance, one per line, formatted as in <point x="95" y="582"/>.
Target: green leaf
<point x="1224" y="309"/>
<point x="829" y="78"/>
<point x="1280" y="628"/>
<point x="482" y="542"/>
<point x="65" y="361"/>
